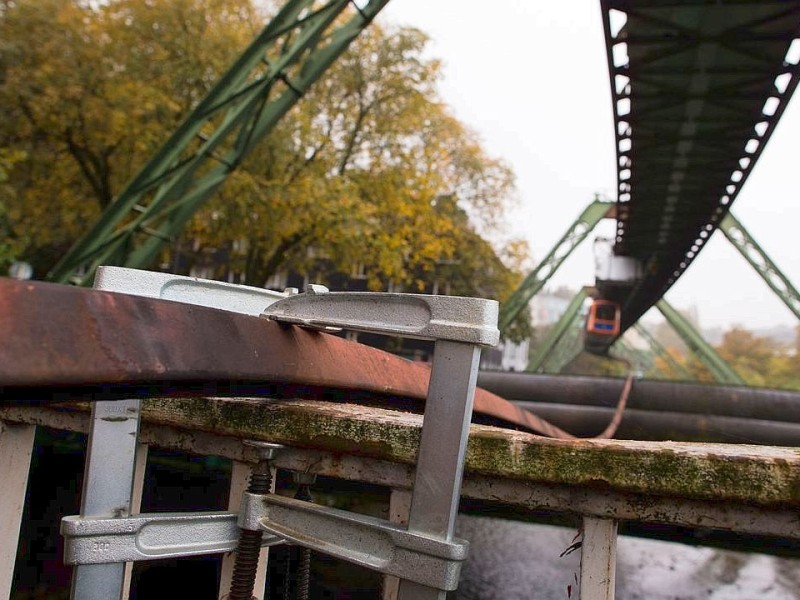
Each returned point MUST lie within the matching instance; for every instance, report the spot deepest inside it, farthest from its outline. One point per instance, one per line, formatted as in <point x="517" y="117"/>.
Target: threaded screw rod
<point x="247" y="552"/>
<point x="303" y="567"/>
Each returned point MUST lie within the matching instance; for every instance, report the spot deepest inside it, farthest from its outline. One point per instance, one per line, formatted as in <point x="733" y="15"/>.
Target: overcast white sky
<point x="531" y="78"/>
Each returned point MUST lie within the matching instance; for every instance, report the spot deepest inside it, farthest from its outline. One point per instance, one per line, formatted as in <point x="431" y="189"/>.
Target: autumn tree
<point x="370" y="167"/>
<point x="89" y="90"/>
<point x="10" y="246"/>
<point x="359" y="171"/>
<point x="759" y="360"/>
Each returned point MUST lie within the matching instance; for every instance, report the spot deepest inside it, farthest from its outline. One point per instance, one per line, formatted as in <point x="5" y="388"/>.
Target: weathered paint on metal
<point x="16" y="446"/>
<point x="598" y="559"/>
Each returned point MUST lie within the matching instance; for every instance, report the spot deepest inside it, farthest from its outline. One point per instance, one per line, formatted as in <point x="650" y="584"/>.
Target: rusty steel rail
<point x="66" y="343"/>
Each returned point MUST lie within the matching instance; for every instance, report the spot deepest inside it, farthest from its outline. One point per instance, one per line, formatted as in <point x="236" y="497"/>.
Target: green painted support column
<point x="659" y="350"/>
<point x="567" y="349"/>
<point x="721" y="370"/>
<point x="272" y="74"/>
<point x="537" y="278"/>
<point x="758" y="259"/>
<point x="557" y="332"/>
<point x="638" y="360"/>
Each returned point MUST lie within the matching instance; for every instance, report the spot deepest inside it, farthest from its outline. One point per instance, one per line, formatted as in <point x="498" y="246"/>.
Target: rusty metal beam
<point x="62" y="343"/>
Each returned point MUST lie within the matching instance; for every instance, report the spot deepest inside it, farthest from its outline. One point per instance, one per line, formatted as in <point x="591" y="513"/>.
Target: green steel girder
<point x="537" y="278"/>
<point x="637" y="359"/>
<point x="721" y="370"/>
<point x="289" y="55"/>
<point x="567" y="350"/>
<point x="768" y="270"/>
<point x="697" y="91"/>
<point x="659" y="350"/>
<point x="556" y="333"/>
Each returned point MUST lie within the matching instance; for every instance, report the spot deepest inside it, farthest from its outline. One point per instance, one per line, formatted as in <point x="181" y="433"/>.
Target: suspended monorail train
<point x="602" y="324"/>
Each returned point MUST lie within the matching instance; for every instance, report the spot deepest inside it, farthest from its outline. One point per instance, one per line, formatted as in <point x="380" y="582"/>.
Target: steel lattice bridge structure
<point x="697" y="91"/>
<point x="695" y="103"/>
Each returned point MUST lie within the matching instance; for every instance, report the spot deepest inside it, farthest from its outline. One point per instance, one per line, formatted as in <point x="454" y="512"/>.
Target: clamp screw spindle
<point x="244" y="569"/>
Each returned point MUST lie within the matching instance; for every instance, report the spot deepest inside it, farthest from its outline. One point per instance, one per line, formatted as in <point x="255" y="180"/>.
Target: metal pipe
<point x="588" y="421"/>
<point x="658" y="396"/>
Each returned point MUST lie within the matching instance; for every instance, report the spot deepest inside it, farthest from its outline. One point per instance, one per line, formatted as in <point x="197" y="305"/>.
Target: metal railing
<point x="726" y="487"/>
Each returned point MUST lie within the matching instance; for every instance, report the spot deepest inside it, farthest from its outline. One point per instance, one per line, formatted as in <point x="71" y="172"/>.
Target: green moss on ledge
<point x="756" y="475"/>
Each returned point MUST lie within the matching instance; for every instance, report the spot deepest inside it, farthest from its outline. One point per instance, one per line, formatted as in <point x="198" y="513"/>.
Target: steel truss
<point x="544" y="359"/>
<point x="554" y="352"/>
<point x="697" y="91"/>
<point x="660" y="351"/>
<point x="537" y="278"/>
<point x="289" y="55"/>
<point x="758" y="259"/>
<point x="720" y="369"/>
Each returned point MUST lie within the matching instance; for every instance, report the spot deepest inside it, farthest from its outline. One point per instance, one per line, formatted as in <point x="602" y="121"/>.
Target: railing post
<point x="399" y="507"/>
<point x="136" y="506"/>
<point x="598" y="559"/>
<point x="16" y="446"/>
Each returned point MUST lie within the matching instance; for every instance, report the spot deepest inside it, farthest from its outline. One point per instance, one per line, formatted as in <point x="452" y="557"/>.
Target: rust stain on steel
<point x="57" y="337"/>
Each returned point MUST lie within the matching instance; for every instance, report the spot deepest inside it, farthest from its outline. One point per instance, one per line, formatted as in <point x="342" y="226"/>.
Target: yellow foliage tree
<point x="369" y="168"/>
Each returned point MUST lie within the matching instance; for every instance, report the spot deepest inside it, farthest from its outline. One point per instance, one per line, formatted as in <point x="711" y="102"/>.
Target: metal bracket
<point x="151" y="536"/>
<point x="360" y="539"/>
<point x="421" y="316"/>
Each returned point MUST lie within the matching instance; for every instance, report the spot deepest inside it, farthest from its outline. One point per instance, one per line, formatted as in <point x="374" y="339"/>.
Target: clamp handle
<point x="363" y="540"/>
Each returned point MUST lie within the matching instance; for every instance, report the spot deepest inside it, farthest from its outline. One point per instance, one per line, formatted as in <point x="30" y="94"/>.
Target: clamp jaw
<point x="419" y="316"/>
<point x="366" y="541"/>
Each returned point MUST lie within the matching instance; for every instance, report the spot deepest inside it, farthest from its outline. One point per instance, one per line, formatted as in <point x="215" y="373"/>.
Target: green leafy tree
<point x="761" y="361"/>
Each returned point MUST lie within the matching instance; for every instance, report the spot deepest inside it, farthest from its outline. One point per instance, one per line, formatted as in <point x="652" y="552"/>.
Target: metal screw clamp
<point x="458" y="326"/>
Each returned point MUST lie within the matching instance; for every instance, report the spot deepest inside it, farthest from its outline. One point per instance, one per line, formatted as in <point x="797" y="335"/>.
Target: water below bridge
<point x="510" y="560"/>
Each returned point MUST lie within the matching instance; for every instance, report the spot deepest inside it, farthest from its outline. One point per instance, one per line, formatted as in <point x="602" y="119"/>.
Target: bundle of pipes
<point x="657" y="410"/>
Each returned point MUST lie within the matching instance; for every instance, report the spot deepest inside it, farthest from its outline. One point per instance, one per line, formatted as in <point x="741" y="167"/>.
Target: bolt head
<point x="315" y="288"/>
<point x="265" y="450"/>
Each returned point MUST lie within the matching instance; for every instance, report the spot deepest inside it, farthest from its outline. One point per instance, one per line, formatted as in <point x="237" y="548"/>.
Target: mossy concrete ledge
<point x="755" y="475"/>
